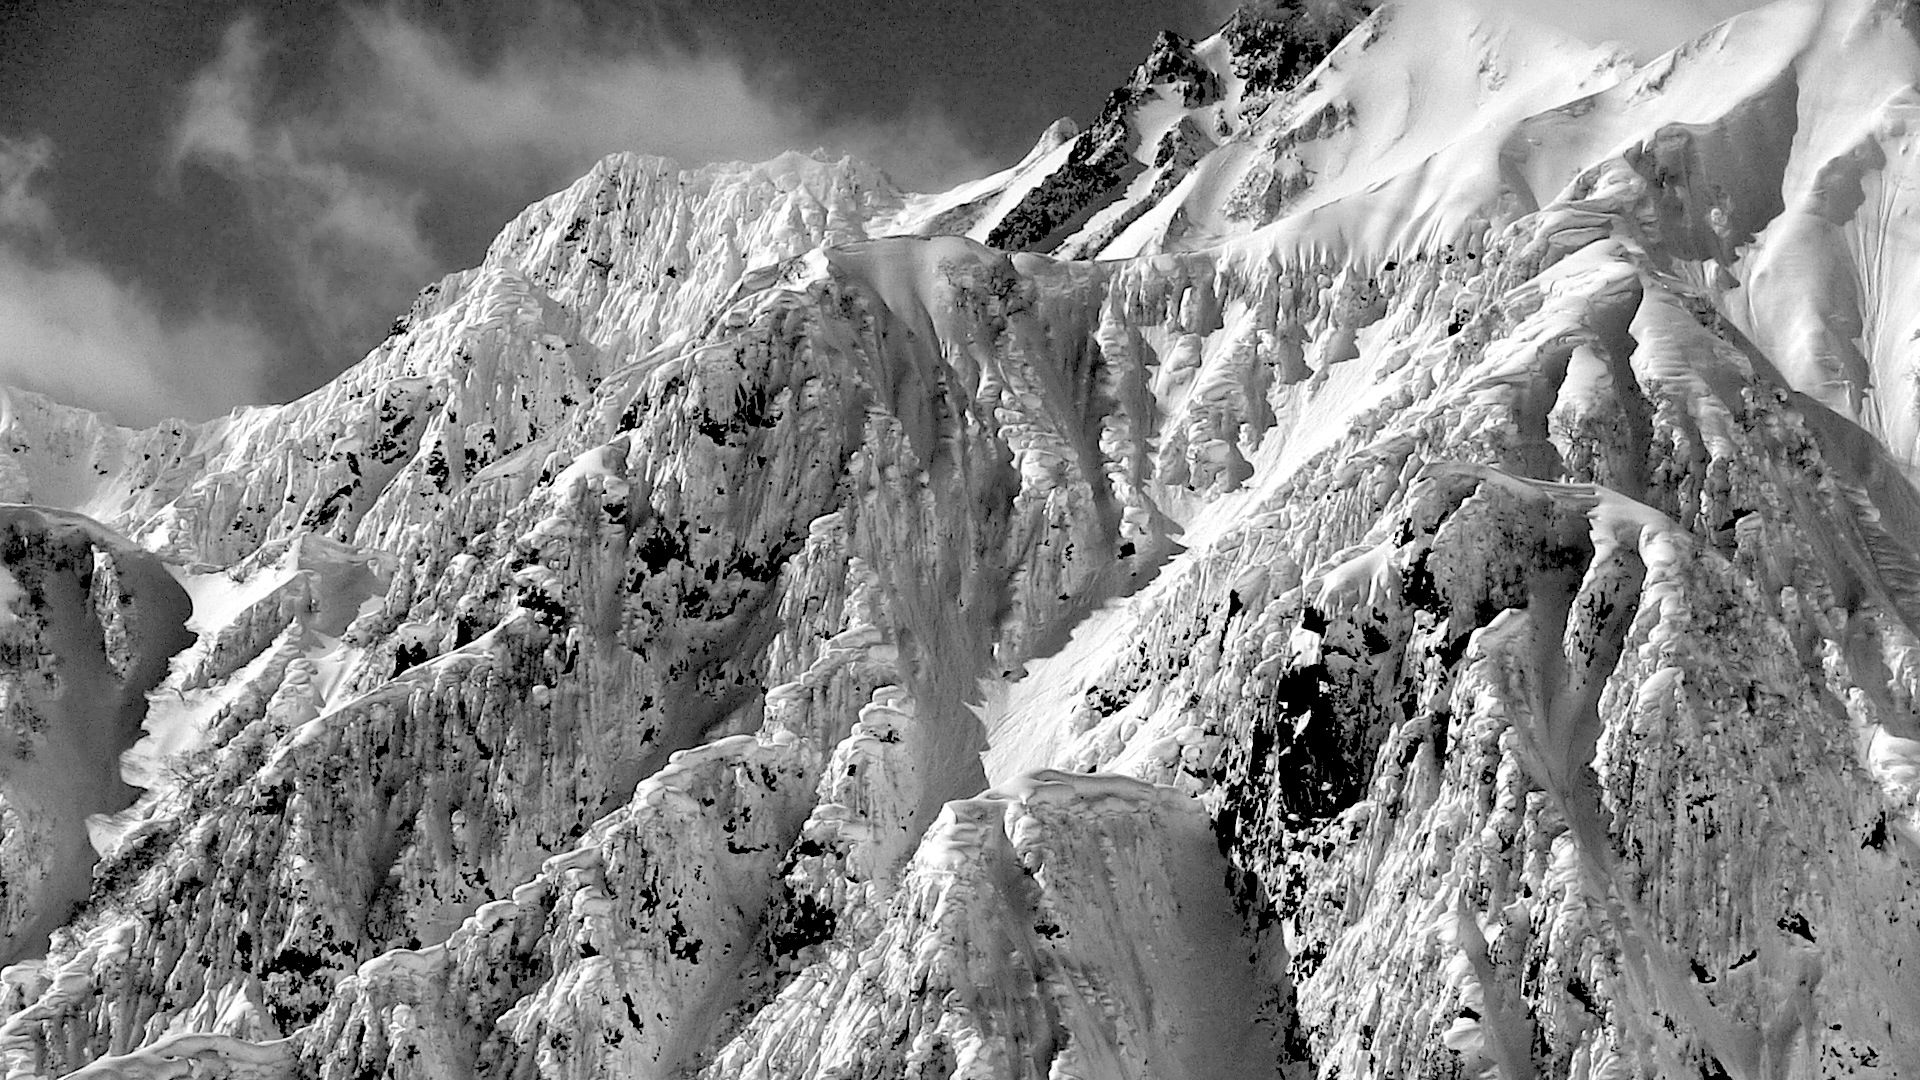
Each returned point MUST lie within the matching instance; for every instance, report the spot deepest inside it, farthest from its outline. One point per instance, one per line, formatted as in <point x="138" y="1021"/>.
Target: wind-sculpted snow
<point x="1000" y="952"/>
<point x="493" y="369"/>
<point x="1437" y="598"/>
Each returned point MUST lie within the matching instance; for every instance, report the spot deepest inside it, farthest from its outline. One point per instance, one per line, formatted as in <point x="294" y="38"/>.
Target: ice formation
<point x="1390" y="554"/>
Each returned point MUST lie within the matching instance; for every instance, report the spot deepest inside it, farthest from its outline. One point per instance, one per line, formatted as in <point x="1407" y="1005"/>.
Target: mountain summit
<point x="1389" y="553"/>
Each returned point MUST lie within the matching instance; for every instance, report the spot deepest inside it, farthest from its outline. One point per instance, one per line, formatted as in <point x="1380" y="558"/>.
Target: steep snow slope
<point x="89" y="626"/>
<point x="1437" y="596"/>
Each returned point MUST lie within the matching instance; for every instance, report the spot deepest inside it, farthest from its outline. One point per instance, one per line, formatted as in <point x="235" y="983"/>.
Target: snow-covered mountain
<point x="1390" y="554"/>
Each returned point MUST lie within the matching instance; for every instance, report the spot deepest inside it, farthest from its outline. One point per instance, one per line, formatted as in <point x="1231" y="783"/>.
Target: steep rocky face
<point x="1078" y="191"/>
<point x="88" y="625"/>
<point x="1103" y="158"/>
<point x="1437" y="598"/>
<point x="1214" y="92"/>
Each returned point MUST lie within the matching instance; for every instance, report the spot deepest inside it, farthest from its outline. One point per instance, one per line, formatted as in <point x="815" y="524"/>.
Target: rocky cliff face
<point x="1437" y="597"/>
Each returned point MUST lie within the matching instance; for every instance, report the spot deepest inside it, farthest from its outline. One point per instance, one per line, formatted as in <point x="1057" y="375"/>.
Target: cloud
<point x="21" y="211"/>
<point x="548" y="98"/>
<point x="404" y="154"/>
<point x="70" y="329"/>
<point x="533" y="105"/>
<point x="350" y="239"/>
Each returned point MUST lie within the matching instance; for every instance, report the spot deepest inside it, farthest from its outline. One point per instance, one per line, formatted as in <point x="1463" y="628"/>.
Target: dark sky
<point x="206" y="203"/>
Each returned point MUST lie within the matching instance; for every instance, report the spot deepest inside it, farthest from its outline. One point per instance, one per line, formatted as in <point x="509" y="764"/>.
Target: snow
<point x="73" y="716"/>
<point x="1007" y="187"/>
<point x="1026" y="718"/>
<point x="10" y="596"/>
<point x="192" y="1054"/>
<point x="1434" y="595"/>
<point x="1414" y="161"/>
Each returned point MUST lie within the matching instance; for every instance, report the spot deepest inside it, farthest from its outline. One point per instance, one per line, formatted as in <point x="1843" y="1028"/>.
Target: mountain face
<point x="1390" y="554"/>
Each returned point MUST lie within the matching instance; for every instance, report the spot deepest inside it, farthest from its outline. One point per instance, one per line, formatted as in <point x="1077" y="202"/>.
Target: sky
<point x="211" y="203"/>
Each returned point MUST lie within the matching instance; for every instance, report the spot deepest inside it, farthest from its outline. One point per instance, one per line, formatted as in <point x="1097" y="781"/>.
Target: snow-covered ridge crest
<point x="1440" y="621"/>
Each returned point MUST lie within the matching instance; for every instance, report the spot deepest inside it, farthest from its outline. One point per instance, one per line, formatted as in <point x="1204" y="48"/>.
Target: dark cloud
<point x="350" y="238"/>
<point x="78" y="332"/>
